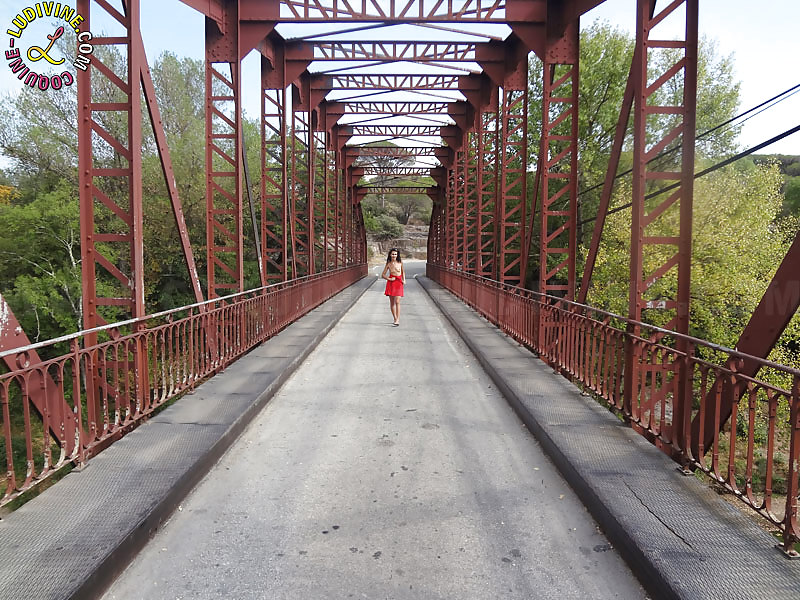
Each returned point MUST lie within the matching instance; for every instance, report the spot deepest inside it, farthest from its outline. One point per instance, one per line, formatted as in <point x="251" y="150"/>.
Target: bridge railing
<point x="675" y="398"/>
<point x="108" y="379"/>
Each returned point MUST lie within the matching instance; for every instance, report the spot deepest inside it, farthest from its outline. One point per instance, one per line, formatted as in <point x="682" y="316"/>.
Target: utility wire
<point x="711" y="169"/>
<point x="794" y="89"/>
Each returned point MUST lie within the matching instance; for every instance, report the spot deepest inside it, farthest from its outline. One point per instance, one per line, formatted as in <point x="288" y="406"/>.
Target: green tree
<point x="739" y="239"/>
<point x="791" y="191"/>
<point x="40" y="273"/>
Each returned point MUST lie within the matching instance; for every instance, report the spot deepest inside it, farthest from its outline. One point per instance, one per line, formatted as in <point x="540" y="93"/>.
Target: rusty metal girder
<point x="559" y="172"/>
<point x="385" y="189"/>
<point x="274" y="201"/>
<point x="439" y="152"/>
<point x="646" y="180"/>
<point x="106" y="187"/>
<point x="388" y="51"/>
<point x="397" y="171"/>
<point x="410" y="11"/>
<point x="224" y="235"/>
<point x="386" y="82"/>
<point x="487" y="184"/>
<point x="645" y="238"/>
<point x="512" y="203"/>
<point x="300" y="194"/>
<point x="395" y="130"/>
<point x="396" y="108"/>
<point x="471" y="194"/>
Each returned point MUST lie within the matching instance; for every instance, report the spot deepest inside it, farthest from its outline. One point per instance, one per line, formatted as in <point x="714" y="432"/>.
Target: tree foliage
<point x="739" y="239"/>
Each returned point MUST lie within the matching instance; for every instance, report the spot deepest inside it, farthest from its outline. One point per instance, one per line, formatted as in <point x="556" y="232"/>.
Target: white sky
<point x="765" y="45"/>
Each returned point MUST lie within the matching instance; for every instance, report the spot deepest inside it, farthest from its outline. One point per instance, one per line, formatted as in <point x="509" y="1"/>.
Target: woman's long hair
<point x="389" y="256"/>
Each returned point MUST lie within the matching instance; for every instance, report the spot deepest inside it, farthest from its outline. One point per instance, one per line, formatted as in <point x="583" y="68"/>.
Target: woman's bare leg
<point x="397" y="309"/>
<point x="393" y="307"/>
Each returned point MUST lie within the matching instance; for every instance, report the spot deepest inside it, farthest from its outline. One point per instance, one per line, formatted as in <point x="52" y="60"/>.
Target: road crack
<point x="675" y="533"/>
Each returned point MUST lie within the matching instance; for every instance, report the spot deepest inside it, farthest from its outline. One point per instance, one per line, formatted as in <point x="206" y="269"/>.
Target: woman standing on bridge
<point x="395" y="278"/>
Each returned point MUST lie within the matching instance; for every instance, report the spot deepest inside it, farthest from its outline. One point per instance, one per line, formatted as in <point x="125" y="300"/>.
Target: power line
<point x="787" y="93"/>
<point x="711" y="169"/>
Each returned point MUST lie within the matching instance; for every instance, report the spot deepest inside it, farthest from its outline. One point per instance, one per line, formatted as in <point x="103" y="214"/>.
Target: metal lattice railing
<point x="672" y="398"/>
<point x="105" y="390"/>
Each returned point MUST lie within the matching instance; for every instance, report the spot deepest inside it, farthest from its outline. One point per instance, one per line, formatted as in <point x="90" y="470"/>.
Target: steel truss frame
<point x="487" y="188"/>
<point x="513" y="197"/>
<point x="651" y="210"/>
<point x="310" y="220"/>
<point x="559" y="168"/>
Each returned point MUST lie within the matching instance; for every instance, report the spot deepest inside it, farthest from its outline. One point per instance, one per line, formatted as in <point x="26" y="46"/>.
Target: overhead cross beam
<point x="390" y="108"/>
<point x="404" y="11"/>
<point x="397" y="171"/>
<point x="386" y="82"/>
<point x="386" y="51"/>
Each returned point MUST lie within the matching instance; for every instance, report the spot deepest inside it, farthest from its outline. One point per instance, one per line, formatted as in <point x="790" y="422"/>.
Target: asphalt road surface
<point x="387" y="467"/>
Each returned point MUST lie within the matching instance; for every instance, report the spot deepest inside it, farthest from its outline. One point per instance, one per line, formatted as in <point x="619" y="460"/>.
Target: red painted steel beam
<point x="386" y="82"/>
<point x="471" y="202"/>
<point x="396" y="108"/>
<point x="559" y="167"/>
<point x="487" y="183"/>
<point x="439" y="152"/>
<point x="675" y="244"/>
<point x="213" y="9"/>
<point x="397" y="171"/>
<point x="224" y="236"/>
<point x="95" y="180"/>
<point x="410" y="11"/>
<point x="44" y="393"/>
<point x="274" y="211"/>
<point x="512" y="202"/>
<point x="775" y="310"/>
<point x="363" y="190"/>
<point x="387" y="51"/>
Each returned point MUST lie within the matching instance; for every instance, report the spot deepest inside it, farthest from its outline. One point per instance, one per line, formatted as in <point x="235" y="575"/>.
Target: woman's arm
<point x="383" y="275"/>
<point x="403" y="273"/>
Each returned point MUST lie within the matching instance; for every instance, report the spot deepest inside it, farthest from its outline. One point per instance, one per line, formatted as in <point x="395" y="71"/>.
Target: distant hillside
<point x="790" y="165"/>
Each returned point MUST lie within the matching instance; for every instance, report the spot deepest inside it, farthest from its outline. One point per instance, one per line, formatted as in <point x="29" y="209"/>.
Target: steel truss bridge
<point x="458" y="118"/>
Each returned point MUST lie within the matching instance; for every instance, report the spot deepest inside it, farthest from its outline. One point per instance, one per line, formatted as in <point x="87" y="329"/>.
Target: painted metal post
<point x="224" y="236"/>
<point x="559" y="172"/>
<point x="274" y="230"/>
<point x="513" y="186"/>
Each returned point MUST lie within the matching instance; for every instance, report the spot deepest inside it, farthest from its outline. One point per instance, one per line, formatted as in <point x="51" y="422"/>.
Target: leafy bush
<point x="383" y="227"/>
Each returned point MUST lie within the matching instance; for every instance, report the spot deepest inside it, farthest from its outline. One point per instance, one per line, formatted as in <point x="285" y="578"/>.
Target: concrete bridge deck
<point x="389" y="465"/>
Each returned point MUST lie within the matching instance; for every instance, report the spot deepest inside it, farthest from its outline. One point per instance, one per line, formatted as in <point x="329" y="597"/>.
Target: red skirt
<point x="394" y="288"/>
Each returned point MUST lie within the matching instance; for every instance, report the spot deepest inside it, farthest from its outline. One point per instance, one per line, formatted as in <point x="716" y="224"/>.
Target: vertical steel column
<point x="487" y="194"/>
<point x="648" y="210"/>
<point x="471" y="145"/>
<point x="111" y="188"/>
<point x="513" y="187"/>
<point x="559" y="172"/>
<point x="459" y="205"/>
<point x="338" y="193"/>
<point x="311" y="191"/>
<point x="110" y="182"/>
<point x="450" y="212"/>
<point x="349" y="195"/>
<point x="327" y="174"/>
<point x="224" y="236"/>
<point x="300" y="186"/>
<point x="653" y="233"/>
<point x="274" y="230"/>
